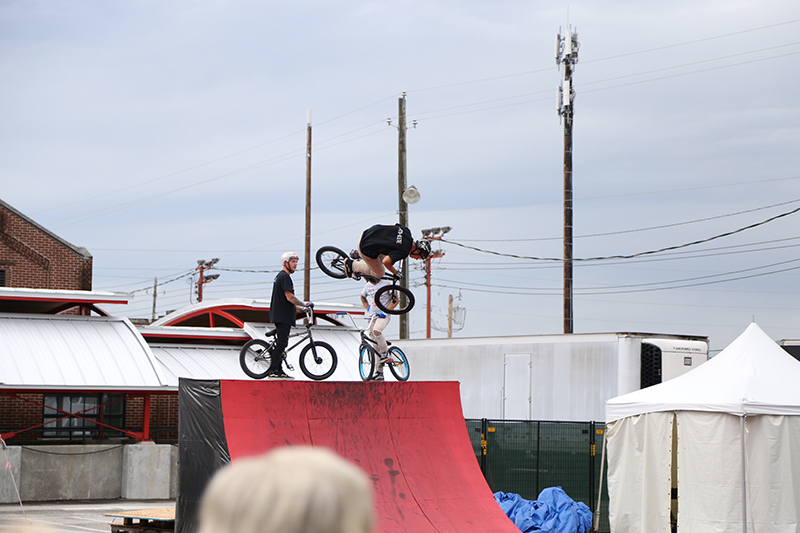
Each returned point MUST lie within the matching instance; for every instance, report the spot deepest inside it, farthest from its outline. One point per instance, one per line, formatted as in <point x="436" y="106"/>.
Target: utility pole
<point x="202" y="266"/>
<point x="567" y="54"/>
<point x="155" y="292"/>
<point x="433" y="234"/>
<point x="402" y="205"/>
<point x="405" y="196"/>
<point x="449" y="316"/>
<point x="307" y="265"/>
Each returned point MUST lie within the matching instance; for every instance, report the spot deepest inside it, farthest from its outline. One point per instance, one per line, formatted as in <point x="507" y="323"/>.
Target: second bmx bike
<point x="331" y="260"/>
<point x="368" y="357"/>
<point x="318" y="359"/>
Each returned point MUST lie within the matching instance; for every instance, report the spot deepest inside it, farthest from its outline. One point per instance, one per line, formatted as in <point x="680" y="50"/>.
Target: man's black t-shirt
<point x="395" y="241"/>
<point x="281" y="310"/>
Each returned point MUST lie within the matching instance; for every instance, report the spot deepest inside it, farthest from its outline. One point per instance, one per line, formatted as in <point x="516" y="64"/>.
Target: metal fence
<point x="525" y="457"/>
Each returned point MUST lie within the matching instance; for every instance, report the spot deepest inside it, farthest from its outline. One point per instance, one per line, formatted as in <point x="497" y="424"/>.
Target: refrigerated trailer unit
<point x="552" y="377"/>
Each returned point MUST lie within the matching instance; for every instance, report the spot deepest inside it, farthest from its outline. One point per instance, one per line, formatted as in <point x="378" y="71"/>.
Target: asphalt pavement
<point x="87" y="516"/>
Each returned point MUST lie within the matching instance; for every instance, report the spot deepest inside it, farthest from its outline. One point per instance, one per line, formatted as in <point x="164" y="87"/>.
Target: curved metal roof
<point x="75" y="352"/>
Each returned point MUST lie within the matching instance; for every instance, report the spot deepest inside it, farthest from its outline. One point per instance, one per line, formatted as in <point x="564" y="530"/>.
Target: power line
<point x="584" y="62"/>
<point x="630" y="256"/>
<point x="621" y="289"/>
<point x="685" y="43"/>
<point x="649" y="228"/>
<point x="165" y="282"/>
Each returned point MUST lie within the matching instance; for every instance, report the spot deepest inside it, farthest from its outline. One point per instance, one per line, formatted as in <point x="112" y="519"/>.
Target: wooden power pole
<point x="402" y="205"/>
<point x="307" y="266"/>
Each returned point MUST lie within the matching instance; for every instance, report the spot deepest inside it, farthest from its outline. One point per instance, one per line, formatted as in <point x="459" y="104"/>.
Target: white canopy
<point x="711" y="450"/>
<point x="753" y="375"/>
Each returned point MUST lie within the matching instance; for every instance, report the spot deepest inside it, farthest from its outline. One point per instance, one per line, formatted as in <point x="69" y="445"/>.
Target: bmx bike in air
<point x="331" y="260"/>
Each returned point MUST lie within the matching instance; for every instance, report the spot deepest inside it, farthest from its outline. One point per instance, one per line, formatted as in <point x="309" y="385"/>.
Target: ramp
<point x="410" y="438"/>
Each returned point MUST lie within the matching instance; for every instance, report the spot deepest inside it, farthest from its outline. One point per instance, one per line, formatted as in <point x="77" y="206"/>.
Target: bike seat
<point x="270" y="332"/>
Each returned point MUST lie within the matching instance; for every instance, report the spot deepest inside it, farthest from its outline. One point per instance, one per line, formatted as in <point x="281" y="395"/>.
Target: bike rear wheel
<point x="394" y="293"/>
<point x="398" y="363"/>
<point x="330" y="260"/>
<point x="254" y="358"/>
<point x="318" y="360"/>
<point x="366" y="362"/>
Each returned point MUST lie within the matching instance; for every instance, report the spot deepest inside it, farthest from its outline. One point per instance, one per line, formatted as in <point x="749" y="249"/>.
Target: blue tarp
<point x="552" y="512"/>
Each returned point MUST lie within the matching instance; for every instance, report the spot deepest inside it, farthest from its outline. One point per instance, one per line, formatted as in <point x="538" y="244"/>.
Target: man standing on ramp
<point x="283" y="313"/>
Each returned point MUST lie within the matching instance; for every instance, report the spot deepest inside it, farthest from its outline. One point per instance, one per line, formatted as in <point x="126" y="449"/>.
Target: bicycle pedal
<point x="289" y="367"/>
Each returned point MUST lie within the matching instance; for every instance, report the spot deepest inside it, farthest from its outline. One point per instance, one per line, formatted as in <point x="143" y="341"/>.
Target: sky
<point x="159" y="133"/>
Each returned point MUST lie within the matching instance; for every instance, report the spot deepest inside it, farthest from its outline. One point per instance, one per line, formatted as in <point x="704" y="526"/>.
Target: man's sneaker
<point x="378" y="377"/>
<point x="384" y="359"/>
<point x="278" y="374"/>
<point x="348" y="267"/>
<point x="354" y="254"/>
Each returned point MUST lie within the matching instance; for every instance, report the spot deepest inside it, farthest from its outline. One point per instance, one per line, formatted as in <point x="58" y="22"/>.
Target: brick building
<point x="36" y="258"/>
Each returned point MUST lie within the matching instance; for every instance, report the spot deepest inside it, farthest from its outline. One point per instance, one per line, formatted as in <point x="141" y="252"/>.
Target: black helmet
<point x="423" y="248"/>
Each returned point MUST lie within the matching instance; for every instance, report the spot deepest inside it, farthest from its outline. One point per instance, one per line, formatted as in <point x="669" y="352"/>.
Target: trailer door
<point x="517" y="386"/>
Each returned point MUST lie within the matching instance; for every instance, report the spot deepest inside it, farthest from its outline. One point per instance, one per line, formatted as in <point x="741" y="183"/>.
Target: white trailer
<point x="551" y="377"/>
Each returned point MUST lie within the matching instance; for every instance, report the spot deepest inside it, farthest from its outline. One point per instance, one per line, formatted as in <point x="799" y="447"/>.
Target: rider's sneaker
<point x="348" y="267"/>
<point x="378" y="377"/>
<point x="278" y="374"/>
<point x="354" y="254"/>
<point x="384" y="358"/>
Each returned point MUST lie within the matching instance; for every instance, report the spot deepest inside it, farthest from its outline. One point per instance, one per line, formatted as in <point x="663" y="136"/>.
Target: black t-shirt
<point x="395" y="241"/>
<point x="281" y="310"/>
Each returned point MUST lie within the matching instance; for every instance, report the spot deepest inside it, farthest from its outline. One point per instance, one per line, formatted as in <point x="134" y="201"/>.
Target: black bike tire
<point x="326" y="264"/>
<point x="318" y="345"/>
<point x="395" y="352"/>
<point x="368" y="360"/>
<point x="244" y="357"/>
<point x="397" y="310"/>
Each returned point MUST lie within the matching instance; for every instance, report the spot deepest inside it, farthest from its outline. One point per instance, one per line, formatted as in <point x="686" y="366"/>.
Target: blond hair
<point x="289" y="490"/>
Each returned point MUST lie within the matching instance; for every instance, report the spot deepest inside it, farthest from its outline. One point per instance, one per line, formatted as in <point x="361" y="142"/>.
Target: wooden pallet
<point x="145" y="521"/>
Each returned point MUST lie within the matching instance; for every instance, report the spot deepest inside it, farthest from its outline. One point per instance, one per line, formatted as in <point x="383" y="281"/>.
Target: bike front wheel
<point x="389" y="294"/>
<point x="366" y="362"/>
<point x="398" y="363"/>
<point x="330" y="260"/>
<point x="318" y="360"/>
<point x="255" y="358"/>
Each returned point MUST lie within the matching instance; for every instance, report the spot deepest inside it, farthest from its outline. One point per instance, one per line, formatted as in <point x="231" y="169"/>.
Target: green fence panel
<point x="526" y="457"/>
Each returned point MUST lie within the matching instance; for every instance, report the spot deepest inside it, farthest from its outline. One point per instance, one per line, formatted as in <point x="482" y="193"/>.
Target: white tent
<point x="723" y="440"/>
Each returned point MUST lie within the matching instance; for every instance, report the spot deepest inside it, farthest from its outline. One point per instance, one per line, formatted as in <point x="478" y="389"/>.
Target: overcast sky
<point x="157" y="133"/>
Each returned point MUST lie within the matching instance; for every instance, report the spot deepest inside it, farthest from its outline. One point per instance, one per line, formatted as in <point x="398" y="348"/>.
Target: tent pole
<point x="600" y="489"/>
<point x="742" y="420"/>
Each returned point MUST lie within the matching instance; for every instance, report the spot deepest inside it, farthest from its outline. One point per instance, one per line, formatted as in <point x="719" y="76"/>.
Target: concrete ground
<point x="73" y="516"/>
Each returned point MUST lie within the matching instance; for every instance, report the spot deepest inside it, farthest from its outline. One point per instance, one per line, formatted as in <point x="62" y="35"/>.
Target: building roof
<point x="76" y="353"/>
<point x="51" y="301"/>
<point x="79" y="250"/>
<point x="45" y="351"/>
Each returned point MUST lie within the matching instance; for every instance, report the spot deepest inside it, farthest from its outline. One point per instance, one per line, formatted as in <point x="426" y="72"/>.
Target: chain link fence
<point x="525" y="457"/>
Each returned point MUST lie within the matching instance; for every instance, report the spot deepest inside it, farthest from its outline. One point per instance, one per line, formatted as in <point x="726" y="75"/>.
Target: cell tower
<point x="567" y="54"/>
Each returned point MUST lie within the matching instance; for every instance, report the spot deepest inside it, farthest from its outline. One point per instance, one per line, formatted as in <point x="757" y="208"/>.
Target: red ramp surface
<point x="410" y="438"/>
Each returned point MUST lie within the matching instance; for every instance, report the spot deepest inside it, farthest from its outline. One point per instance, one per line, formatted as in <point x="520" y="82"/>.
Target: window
<point x="108" y="409"/>
<point x="2" y="277"/>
